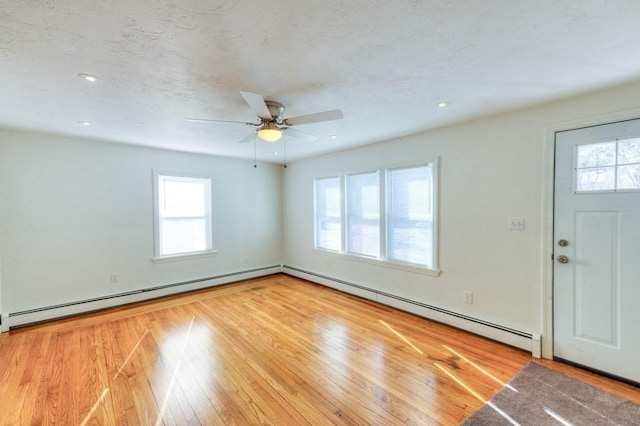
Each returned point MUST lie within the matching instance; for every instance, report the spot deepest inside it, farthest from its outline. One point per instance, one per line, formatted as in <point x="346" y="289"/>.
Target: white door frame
<point x="4" y="317"/>
<point x="547" y="213"/>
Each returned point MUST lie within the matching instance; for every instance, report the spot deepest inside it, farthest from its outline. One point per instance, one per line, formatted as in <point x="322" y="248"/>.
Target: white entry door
<point x="596" y="284"/>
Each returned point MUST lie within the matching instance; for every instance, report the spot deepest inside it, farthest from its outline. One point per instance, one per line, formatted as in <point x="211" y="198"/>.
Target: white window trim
<point x="157" y="258"/>
<point x="410" y="267"/>
<point x="382" y="260"/>
<point x="184" y="256"/>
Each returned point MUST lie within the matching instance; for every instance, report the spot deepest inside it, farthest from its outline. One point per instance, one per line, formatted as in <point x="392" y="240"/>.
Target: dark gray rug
<point x="539" y="396"/>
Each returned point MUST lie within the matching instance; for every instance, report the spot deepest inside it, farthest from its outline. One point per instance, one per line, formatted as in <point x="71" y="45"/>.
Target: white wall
<point x="74" y="211"/>
<point x="490" y="169"/>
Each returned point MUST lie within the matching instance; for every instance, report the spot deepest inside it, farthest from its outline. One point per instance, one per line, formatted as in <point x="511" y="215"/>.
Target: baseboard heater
<point x="500" y="333"/>
<point x="47" y="313"/>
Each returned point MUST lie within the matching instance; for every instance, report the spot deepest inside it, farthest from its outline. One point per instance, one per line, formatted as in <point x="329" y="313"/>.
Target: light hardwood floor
<point x="276" y="350"/>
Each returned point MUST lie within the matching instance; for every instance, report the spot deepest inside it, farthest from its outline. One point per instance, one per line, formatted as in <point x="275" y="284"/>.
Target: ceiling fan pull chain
<point x="255" y="151"/>
<point x="284" y="146"/>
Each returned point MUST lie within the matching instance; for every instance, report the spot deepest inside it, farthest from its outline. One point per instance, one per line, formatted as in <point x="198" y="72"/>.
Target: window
<point x="608" y="166"/>
<point x="328" y="214"/>
<point x="410" y="215"/>
<point x="183" y="215"/>
<point x="383" y="215"/>
<point x="363" y="217"/>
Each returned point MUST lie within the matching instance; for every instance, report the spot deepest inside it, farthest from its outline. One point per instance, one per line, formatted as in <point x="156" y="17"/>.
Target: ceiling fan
<point x="272" y="124"/>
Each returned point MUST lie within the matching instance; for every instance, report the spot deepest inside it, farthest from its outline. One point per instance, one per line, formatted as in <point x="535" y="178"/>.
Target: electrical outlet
<point x="467" y="297"/>
<point x="516" y="223"/>
<point x="114" y="278"/>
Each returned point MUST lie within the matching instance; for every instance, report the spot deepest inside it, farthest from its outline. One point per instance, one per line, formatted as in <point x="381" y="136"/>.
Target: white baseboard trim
<point x="49" y="313"/>
<point x="499" y="333"/>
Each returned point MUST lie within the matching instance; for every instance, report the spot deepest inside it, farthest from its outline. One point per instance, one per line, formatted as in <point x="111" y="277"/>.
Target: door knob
<point x="563" y="259"/>
<point x="563" y="243"/>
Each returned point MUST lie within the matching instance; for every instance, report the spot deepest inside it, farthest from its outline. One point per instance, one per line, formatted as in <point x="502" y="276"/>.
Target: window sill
<point x="184" y="256"/>
<point x="379" y="262"/>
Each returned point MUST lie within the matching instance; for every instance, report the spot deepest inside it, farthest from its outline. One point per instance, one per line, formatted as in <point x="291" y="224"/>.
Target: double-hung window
<point x="328" y="226"/>
<point x="385" y="215"/>
<point x="363" y="214"/>
<point x="410" y="215"/>
<point x="183" y="215"/>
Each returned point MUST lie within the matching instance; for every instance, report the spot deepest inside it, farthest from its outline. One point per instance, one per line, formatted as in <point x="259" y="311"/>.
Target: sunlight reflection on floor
<point x="480" y="369"/>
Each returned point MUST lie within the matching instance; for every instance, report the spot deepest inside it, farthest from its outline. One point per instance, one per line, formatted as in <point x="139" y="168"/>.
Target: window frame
<point x="382" y="259"/>
<point x="158" y="257"/>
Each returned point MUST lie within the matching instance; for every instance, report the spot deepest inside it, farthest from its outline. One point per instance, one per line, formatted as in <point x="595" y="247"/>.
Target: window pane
<point x="410" y="215"/>
<point x="597" y="155"/>
<point x="597" y="179"/>
<point x="328" y="214"/>
<point x="629" y="177"/>
<point x="179" y="198"/>
<point x="629" y="151"/>
<point x="183" y="236"/>
<point x="363" y="233"/>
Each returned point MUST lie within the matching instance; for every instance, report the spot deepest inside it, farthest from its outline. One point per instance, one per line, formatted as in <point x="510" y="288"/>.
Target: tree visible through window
<point x="608" y="166"/>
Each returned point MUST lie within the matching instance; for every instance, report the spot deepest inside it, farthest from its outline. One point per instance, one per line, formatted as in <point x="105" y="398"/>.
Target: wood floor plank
<point x="275" y="350"/>
<point x="23" y="381"/>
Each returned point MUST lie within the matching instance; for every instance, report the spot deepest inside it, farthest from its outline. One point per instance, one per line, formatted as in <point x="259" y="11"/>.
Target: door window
<point x="608" y="166"/>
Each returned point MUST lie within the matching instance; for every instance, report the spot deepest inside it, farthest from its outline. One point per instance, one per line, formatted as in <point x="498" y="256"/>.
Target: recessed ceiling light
<point x="84" y="123"/>
<point x="334" y="136"/>
<point x="88" y="77"/>
<point x="442" y="104"/>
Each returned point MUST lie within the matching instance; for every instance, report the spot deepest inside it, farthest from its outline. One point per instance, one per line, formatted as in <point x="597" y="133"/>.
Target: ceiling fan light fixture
<point x="270" y="133"/>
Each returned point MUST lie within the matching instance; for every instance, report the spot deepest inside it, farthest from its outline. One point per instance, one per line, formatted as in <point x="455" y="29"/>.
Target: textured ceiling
<point x="385" y="64"/>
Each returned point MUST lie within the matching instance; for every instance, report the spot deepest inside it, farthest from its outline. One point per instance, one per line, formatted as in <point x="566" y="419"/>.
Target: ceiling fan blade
<point x="257" y="104"/>
<point x="295" y="133"/>
<point x="334" y="114"/>
<point x="206" y="120"/>
<point x="249" y="138"/>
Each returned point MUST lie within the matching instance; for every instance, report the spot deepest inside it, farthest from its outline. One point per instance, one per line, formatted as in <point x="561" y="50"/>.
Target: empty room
<point x="278" y="212"/>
